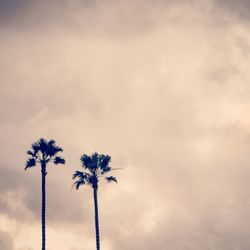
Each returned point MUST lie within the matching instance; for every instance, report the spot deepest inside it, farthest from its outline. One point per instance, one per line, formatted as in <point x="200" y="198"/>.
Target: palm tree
<point x="95" y="166"/>
<point x="42" y="152"/>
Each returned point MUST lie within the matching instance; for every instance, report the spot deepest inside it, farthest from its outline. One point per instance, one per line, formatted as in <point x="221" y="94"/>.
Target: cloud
<point x="237" y="9"/>
<point x="6" y="242"/>
<point x="159" y="86"/>
<point x="26" y="248"/>
<point x="19" y="203"/>
<point x="113" y="18"/>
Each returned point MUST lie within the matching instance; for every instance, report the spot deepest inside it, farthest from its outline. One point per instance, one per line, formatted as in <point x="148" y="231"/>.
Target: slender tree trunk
<point x="96" y="219"/>
<point x="43" y="170"/>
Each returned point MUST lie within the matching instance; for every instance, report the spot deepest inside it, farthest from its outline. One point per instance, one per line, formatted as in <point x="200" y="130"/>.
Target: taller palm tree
<point x="42" y="152"/>
<point x="95" y="166"/>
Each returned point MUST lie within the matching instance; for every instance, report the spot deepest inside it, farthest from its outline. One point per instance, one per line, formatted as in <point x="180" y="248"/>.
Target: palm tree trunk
<point x="96" y="219"/>
<point x="43" y="205"/>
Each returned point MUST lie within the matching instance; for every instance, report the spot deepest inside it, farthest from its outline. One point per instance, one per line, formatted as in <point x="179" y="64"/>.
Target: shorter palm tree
<point x="42" y="152"/>
<point x="95" y="166"/>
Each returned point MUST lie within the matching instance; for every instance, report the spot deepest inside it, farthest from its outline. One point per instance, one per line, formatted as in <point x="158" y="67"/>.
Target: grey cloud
<point x="6" y="242"/>
<point x="239" y="9"/>
<point x="18" y="202"/>
<point x="103" y="18"/>
<point x="113" y="18"/>
<point x="12" y="186"/>
<point x="9" y="10"/>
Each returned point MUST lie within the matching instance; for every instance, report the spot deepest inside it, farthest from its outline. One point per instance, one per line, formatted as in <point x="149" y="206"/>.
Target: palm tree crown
<point x="42" y="152"/>
<point x="95" y="166"/>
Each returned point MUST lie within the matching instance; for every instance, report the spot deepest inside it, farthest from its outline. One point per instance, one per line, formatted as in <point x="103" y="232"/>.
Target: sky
<point x="161" y="86"/>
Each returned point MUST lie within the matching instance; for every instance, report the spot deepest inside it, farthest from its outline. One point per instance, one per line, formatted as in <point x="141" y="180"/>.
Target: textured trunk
<point x="43" y="170"/>
<point x="96" y="219"/>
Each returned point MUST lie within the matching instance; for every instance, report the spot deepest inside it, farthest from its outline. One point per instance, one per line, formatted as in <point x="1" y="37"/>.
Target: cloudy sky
<point x="161" y="86"/>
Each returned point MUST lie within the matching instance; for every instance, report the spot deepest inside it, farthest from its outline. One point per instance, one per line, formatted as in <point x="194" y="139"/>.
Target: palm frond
<point x="47" y="148"/>
<point x="78" y="183"/>
<point x="43" y="151"/>
<point x="90" y="162"/>
<point x="51" y="143"/>
<point x="104" y="161"/>
<point x="35" y="147"/>
<point x="29" y="152"/>
<point x="77" y="174"/>
<point x="107" y="169"/>
<point x="81" y="176"/>
<point x="31" y="162"/>
<point x="111" y="179"/>
<point x="96" y="162"/>
<point x="52" y="149"/>
<point x="86" y="160"/>
<point x="59" y="160"/>
<point x="96" y="166"/>
<point x="43" y="146"/>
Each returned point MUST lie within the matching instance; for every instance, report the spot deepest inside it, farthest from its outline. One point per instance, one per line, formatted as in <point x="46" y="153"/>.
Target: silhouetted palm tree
<point x="95" y="166"/>
<point x="42" y="152"/>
